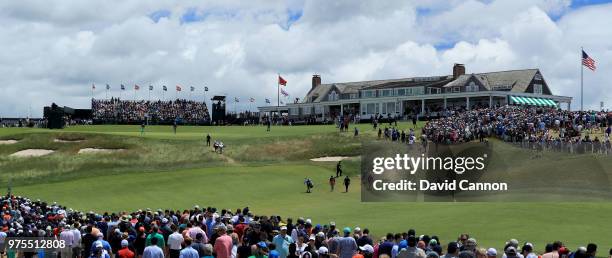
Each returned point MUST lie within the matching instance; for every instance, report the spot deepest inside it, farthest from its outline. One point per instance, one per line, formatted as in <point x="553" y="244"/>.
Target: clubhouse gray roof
<point x="353" y="87"/>
<point x="519" y="80"/>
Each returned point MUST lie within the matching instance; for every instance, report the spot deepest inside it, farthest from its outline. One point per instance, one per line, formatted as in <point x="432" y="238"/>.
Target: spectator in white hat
<point x="282" y="242"/>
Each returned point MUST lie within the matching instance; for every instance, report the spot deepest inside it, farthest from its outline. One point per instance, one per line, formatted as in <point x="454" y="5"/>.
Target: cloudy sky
<point x="52" y="51"/>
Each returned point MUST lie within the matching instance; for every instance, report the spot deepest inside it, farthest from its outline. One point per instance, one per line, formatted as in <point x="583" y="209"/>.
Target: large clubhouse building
<point x="430" y="96"/>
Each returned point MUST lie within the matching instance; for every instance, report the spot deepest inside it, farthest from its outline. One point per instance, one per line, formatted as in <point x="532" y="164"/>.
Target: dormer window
<point x="333" y="96"/>
<point x="537" y="88"/>
<point x="471" y="87"/>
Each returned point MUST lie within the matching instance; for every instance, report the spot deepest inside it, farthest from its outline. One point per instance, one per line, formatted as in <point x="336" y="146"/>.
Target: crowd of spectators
<point x="208" y="232"/>
<point x="115" y="110"/>
<point x="521" y="124"/>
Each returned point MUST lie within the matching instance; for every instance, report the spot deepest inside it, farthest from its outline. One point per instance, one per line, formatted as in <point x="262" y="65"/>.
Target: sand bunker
<point x="98" y="150"/>
<point x="32" y="153"/>
<point x="61" y="140"/>
<point x="6" y="142"/>
<point x="336" y="159"/>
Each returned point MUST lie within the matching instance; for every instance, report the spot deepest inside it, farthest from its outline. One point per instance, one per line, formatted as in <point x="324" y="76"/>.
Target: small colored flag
<point x="178" y="88"/>
<point x="107" y="87"/>
<point x="236" y="99"/>
<point x="122" y="87"/>
<point x="136" y="87"/>
<point x="268" y="101"/>
<point x="252" y="99"/>
<point x="164" y="88"/>
<point x="588" y="61"/>
<point x="284" y="93"/>
<point x="93" y="86"/>
<point x="150" y="87"/>
<point x="282" y="81"/>
<point x="205" y="88"/>
<point x="192" y="88"/>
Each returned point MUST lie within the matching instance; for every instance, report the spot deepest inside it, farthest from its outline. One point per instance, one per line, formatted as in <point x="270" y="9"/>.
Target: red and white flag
<point x="282" y="81"/>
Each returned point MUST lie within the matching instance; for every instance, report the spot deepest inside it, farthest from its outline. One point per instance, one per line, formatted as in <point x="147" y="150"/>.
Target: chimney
<point x="458" y="70"/>
<point x="316" y="81"/>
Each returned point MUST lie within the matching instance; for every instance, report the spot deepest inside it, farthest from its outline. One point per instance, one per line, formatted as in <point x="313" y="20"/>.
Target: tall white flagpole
<point x="581" y="80"/>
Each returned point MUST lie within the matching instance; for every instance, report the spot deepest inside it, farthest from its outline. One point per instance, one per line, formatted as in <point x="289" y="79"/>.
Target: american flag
<point x="236" y="99"/>
<point x="165" y="88"/>
<point x="588" y="61"/>
<point x="268" y="101"/>
<point x="252" y="99"/>
<point x="192" y="88"/>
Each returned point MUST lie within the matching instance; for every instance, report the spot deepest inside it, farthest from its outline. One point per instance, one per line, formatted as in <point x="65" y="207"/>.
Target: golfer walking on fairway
<point x="347" y="182"/>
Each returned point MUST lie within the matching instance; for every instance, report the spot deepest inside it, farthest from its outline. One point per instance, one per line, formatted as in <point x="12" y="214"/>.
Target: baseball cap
<point x="332" y="224"/>
<point x="323" y="250"/>
<point x="347" y="230"/>
<point x="262" y="244"/>
<point x="283" y="228"/>
<point x="99" y="244"/>
<point x="403" y="244"/>
<point x="124" y="243"/>
<point x="491" y="252"/>
<point x="511" y="250"/>
<point x="274" y="254"/>
<point x="367" y="248"/>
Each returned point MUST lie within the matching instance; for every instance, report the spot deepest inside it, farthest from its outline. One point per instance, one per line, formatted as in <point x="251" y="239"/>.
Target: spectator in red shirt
<point x="125" y="252"/>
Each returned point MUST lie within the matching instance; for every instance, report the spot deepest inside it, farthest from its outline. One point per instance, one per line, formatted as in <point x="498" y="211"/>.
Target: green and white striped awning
<point x="517" y="100"/>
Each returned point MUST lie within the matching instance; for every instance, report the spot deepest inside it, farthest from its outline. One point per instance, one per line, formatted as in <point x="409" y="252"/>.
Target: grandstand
<point x="117" y="111"/>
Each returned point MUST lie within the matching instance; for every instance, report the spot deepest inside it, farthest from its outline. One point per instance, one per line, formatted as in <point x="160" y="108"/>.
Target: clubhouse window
<point x="368" y="94"/>
<point x="306" y="110"/>
<point x="537" y="88"/>
<point x="293" y="111"/>
<point x="401" y="92"/>
<point x="332" y="96"/>
<point x="456" y="89"/>
<point x="371" y="108"/>
<point x="387" y="93"/>
<point x="319" y="110"/>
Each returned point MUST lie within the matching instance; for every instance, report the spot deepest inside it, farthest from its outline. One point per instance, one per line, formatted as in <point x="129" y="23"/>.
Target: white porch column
<point x="467" y="103"/>
<point x="445" y="102"/>
<point x="423" y="107"/>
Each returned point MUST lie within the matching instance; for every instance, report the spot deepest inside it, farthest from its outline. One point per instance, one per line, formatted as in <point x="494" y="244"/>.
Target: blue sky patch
<point x="155" y="16"/>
